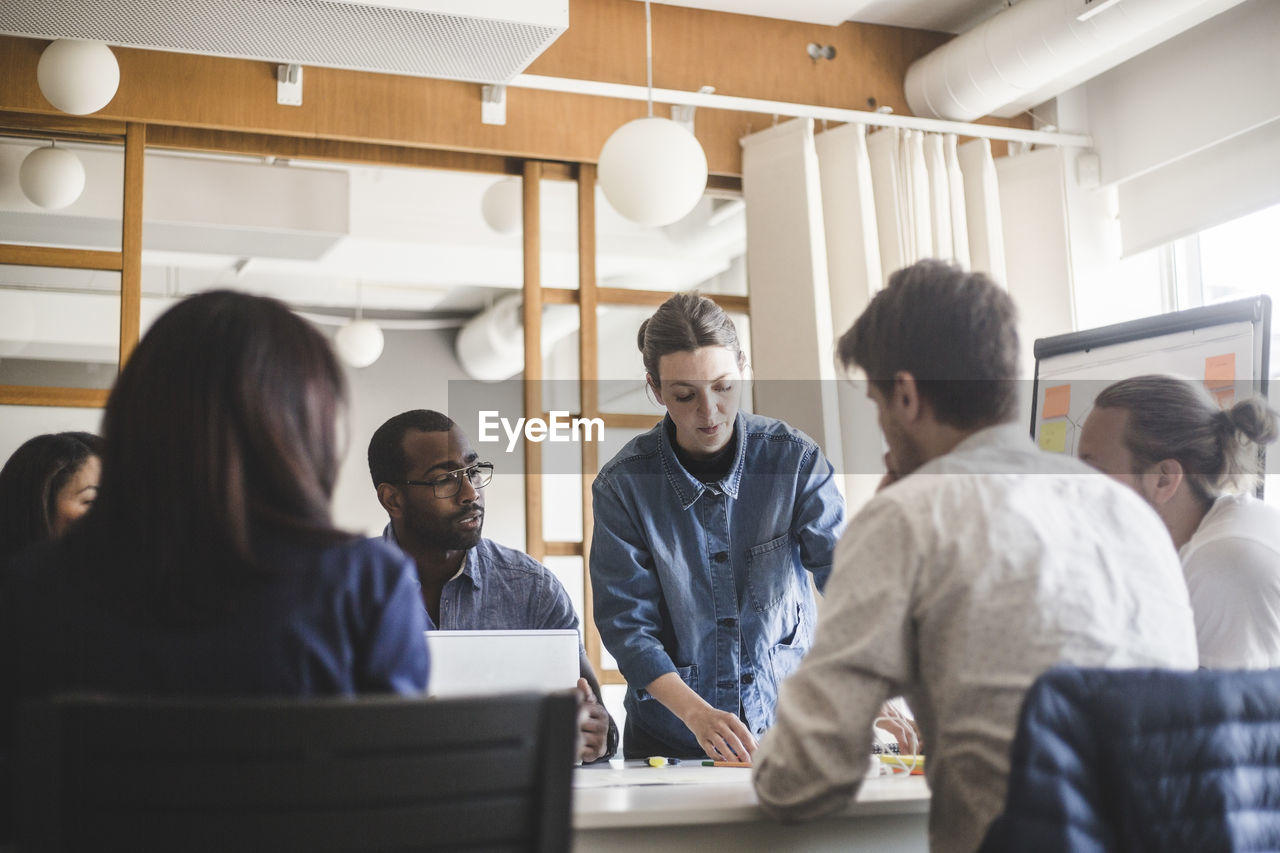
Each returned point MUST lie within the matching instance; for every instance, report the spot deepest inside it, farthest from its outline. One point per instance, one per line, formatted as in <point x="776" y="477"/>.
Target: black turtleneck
<point x="711" y="470"/>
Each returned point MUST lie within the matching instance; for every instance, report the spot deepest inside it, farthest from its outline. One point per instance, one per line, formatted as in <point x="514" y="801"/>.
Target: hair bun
<point x="1254" y="419"/>
<point x="640" y="334"/>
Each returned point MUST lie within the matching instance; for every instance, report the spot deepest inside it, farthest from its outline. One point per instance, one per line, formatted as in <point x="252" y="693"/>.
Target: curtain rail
<point x="783" y="108"/>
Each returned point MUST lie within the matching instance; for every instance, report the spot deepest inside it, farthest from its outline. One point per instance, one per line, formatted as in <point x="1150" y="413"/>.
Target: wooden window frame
<point x="588" y="296"/>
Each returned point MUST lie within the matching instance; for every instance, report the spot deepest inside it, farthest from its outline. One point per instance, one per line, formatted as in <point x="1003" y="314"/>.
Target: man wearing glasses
<point x="431" y="483"/>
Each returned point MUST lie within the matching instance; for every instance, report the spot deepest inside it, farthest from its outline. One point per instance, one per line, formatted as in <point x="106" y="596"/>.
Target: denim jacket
<point x="708" y="581"/>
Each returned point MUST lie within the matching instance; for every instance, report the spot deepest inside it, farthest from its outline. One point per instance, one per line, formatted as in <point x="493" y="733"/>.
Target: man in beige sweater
<point x="982" y="563"/>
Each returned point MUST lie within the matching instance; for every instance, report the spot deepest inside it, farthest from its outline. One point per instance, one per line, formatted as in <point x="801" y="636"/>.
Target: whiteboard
<point x="1226" y="346"/>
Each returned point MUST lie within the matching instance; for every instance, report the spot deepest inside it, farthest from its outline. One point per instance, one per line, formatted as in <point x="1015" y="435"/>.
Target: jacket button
<point x="728" y="622"/>
<point x="747" y="678"/>
<point x="720" y="556"/>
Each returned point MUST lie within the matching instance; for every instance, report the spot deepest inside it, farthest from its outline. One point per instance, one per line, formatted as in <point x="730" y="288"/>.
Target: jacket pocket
<point x="769" y="572"/>
<point x="785" y="657"/>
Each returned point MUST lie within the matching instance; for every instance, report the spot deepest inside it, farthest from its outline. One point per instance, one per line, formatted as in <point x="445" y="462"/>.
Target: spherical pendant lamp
<point x="78" y="77"/>
<point x="652" y="170"/>
<point x="51" y="177"/>
<point x="359" y="343"/>
<point x="502" y="205"/>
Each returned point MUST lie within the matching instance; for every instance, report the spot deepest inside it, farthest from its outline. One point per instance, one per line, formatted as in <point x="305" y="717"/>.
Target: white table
<point x="628" y="806"/>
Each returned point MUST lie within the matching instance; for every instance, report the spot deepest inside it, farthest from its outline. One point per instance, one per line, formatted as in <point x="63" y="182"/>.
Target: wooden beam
<point x="75" y="259"/>
<point x="741" y="55"/>
<point x="563" y="549"/>
<point x="534" y="542"/>
<point x="559" y="296"/>
<point x="131" y="241"/>
<point x="617" y="420"/>
<point x="654" y="298"/>
<point x="60" y="126"/>
<point x="588" y="388"/>
<point x="23" y="395"/>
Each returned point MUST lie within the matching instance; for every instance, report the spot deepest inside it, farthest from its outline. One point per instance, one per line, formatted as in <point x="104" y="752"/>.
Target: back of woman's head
<point x="684" y="323"/>
<point x="222" y="428"/>
<point x="1220" y="450"/>
<point x="30" y="482"/>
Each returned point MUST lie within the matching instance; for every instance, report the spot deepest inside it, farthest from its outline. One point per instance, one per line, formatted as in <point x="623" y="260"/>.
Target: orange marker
<point x="709" y="763"/>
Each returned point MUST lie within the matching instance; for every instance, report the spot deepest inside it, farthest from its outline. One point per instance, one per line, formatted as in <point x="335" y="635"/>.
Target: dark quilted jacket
<point x="1141" y="759"/>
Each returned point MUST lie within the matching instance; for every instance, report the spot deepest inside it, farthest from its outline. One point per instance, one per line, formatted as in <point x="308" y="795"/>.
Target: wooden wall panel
<point x="738" y="54"/>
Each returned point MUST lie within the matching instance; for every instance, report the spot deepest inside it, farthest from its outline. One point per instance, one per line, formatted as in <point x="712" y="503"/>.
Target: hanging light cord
<point x="648" y="53"/>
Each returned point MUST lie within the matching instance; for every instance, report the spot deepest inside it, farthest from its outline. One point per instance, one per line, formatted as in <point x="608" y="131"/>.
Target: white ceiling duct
<point x="1037" y="49"/>
<point x="490" y="347"/>
<point x="483" y="41"/>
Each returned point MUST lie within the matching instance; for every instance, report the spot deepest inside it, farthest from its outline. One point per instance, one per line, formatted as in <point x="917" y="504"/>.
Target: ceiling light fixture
<point x="502" y="205"/>
<point x="651" y="169"/>
<point x="359" y="343"/>
<point x="52" y="177"/>
<point x="78" y="77"/>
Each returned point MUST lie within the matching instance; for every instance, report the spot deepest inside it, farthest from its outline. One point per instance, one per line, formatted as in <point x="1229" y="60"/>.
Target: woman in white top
<point x="1198" y="466"/>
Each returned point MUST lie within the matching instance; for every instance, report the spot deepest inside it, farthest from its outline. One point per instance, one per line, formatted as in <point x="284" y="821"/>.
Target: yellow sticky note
<point x="1057" y="402"/>
<point x="1053" y="437"/>
<point x="1220" y="370"/>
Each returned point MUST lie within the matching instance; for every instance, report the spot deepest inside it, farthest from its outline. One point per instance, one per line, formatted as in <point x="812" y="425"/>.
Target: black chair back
<point x="383" y="773"/>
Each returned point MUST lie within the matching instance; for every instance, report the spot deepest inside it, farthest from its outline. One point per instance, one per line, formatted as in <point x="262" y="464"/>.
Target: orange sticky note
<point x="1226" y="397"/>
<point x="1057" y="401"/>
<point x="1220" y="370"/>
<point x="1053" y="437"/>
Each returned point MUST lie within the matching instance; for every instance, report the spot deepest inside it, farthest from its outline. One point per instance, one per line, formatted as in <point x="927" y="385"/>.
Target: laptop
<point x="482" y="663"/>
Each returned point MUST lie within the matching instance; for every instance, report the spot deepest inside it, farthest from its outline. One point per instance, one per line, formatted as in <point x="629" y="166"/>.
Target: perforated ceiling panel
<point x="484" y="44"/>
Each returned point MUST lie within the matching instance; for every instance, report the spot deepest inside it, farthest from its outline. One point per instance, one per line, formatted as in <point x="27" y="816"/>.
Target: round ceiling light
<point x="652" y="171"/>
<point x="78" y="77"/>
<point x="359" y="343"/>
<point x="51" y="177"/>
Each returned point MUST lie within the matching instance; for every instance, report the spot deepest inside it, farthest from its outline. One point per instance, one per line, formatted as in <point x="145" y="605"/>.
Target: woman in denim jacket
<point x="705" y="527"/>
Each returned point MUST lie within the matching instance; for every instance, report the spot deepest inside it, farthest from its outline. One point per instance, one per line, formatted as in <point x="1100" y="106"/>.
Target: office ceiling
<point x="948" y="16"/>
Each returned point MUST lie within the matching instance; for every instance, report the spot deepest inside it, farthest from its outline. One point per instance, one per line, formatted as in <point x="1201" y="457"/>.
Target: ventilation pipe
<point x="490" y="347"/>
<point x="1037" y="49"/>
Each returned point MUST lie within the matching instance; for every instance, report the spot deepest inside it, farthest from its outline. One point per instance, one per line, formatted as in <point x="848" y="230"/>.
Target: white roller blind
<point x="1229" y="180"/>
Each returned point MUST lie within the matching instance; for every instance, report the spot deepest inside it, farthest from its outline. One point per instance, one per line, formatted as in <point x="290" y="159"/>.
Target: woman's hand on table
<point x="723" y="736"/>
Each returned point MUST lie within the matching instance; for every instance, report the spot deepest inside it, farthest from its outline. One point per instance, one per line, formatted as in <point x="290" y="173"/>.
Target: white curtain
<point x="829" y="217"/>
<point x="934" y="199"/>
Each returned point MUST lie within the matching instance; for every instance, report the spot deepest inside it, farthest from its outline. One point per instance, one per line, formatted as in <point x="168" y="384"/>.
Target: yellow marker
<point x="913" y="762"/>
<point x="660" y="761"/>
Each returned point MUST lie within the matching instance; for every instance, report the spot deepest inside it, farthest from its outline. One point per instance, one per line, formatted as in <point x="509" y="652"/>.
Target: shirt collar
<point x="689" y="488"/>
<point x="469" y="565"/>
<point x="998" y="435"/>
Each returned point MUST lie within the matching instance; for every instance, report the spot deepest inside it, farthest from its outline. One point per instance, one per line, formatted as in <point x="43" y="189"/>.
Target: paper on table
<point x="692" y="774"/>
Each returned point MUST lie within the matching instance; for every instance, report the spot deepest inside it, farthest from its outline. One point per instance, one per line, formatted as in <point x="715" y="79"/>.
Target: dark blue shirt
<point x="336" y="619"/>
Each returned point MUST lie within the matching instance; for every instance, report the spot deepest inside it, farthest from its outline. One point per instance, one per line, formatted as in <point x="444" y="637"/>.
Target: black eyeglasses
<point x="449" y="483"/>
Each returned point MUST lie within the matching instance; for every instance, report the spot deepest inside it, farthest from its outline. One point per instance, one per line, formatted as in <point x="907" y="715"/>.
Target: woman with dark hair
<point x="48" y="483"/>
<point x="1197" y="465"/>
<point x="209" y="565"/>
<point x="707" y="528"/>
